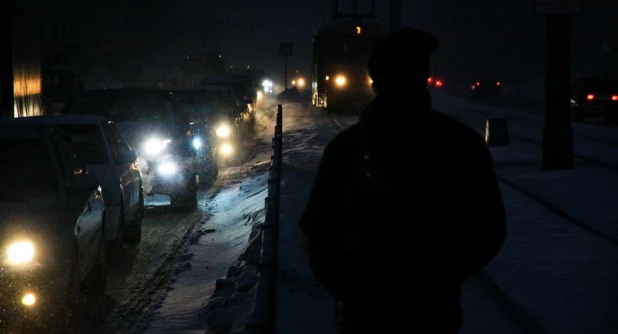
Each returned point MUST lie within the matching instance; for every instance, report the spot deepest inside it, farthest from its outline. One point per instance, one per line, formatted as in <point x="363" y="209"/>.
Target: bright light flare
<point x="227" y="149"/>
<point x="29" y="299"/>
<point x="260" y="95"/>
<point x="340" y="80"/>
<point x="168" y="168"/>
<point x="197" y="143"/>
<point x="590" y="97"/>
<point x="223" y="131"/>
<point x="155" y="146"/>
<point x="21" y="252"/>
<point x="300" y="82"/>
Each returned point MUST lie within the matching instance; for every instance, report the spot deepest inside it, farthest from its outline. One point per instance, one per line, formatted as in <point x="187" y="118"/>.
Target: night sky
<point x="505" y="37"/>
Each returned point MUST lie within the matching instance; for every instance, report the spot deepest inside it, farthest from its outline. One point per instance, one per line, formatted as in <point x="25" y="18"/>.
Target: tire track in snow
<point x="542" y="201"/>
<point x="126" y="317"/>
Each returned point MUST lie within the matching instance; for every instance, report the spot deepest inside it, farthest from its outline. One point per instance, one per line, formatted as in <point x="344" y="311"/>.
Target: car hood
<point x="36" y="218"/>
<point x="135" y="133"/>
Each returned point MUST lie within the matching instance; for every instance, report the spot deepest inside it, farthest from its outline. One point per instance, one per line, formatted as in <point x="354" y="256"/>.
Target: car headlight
<point x="340" y="80"/>
<point x="223" y="131"/>
<point x="227" y="149"/>
<point x="197" y="143"/>
<point x="20" y="252"/>
<point x="167" y="168"/>
<point x="155" y="146"/>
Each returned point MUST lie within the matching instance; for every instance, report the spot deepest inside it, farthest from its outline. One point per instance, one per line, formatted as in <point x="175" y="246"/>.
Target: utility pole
<point x="286" y="50"/>
<point x="6" y="62"/>
<point x="395" y="14"/>
<point x="557" y="141"/>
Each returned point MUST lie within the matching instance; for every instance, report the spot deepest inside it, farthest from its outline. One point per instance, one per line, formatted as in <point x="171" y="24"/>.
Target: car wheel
<point x="116" y="248"/>
<point x="186" y="198"/>
<point x="96" y="281"/>
<point x="133" y="231"/>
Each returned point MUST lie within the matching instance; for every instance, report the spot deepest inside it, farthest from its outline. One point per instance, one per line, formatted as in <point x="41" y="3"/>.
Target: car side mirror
<point x="125" y="157"/>
<point x="249" y="101"/>
<point x="82" y="183"/>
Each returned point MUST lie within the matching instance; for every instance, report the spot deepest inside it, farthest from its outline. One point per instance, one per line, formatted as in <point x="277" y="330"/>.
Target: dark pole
<point x="6" y="62"/>
<point x="285" y="78"/>
<point x="557" y="143"/>
<point x="395" y="14"/>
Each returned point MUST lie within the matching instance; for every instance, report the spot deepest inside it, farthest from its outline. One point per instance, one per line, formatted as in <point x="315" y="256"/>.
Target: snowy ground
<point x="557" y="271"/>
<point x="214" y="246"/>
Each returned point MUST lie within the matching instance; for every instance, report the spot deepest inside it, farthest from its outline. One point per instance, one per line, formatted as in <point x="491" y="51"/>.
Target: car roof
<point x="11" y="130"/>
<point x="57" y="119"/>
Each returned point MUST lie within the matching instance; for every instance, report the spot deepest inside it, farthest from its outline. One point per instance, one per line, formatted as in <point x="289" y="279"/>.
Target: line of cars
<point x="72" y="186"/>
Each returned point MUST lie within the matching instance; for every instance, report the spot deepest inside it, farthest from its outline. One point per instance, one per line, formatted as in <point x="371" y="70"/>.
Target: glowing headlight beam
<point x="155" y="146"/>
<point x="197" y="143"/>
<point x="227" y="149"/>
<point x="21" y="252"/>
<point x="340" y="80"/>
<point x="29" y="299"/>
<point x="167" y="168"/>
<point x="223" y="131"/>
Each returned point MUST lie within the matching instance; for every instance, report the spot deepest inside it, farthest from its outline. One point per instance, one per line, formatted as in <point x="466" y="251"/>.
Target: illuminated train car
<point x="340" y="80"/>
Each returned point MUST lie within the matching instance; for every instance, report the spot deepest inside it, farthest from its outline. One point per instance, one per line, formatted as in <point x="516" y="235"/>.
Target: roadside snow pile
<point x="231" y="305"/>
<point x="203" y="291"/>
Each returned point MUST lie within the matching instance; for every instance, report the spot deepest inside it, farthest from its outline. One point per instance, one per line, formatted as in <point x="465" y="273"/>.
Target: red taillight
<point x="439" y="83"/>
<point x="429" y="80"/>
<point x="590" y="97"/>
<point x="614" y="97"/>
<point x="498" y="83"/>
<point x="478" y="83"/>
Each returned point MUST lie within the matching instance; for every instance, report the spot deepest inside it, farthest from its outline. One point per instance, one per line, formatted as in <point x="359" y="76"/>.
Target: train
<point x="340" y="79"/>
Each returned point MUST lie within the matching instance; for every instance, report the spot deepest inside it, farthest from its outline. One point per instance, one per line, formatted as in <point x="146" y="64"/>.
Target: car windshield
<point x="26" y="170"/>
<point x="88" y="143"/>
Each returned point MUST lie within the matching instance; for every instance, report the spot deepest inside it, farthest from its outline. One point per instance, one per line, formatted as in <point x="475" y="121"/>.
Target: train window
<point x="349" y="48"/>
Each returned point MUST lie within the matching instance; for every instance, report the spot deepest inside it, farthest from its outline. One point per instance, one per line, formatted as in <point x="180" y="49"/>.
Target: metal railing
<point x="264" y="315"/>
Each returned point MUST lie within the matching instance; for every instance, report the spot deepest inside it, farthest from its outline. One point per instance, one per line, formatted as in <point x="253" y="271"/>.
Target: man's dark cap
<point x="402" y="56"/>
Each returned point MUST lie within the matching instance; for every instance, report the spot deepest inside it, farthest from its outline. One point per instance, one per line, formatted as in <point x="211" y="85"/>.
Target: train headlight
<point x="340" y="81"/>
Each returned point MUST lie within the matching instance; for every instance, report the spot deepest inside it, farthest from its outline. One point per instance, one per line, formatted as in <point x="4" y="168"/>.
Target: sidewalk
<point x="560" y="261"/>
<point x="552" y="275"/>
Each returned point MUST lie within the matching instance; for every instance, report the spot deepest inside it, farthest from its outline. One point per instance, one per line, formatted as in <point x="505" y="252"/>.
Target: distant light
<point x="439" y="83"/>
<point x="590" y="97"/>
<point x="614" y="97"/>
<point x="478" y="83"/>
<point x="429" y="80"/>
<point x="358" y="30"/>
<point x="327" y="78"/>
<point x="219" y="56"/>
<point x="498" y="83"/>
<point x="301" y="82"/>
<point x="293" y="82"/>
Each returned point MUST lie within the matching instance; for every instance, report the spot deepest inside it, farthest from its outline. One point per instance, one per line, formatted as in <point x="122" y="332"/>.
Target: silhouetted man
<point x="405" y="206"/>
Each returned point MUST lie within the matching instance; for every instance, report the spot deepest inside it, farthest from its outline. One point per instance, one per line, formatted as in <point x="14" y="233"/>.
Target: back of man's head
<point x="402" y="59"/>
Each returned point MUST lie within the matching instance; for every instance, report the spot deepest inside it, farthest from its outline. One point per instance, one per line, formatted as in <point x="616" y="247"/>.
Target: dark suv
<point x="160" y="135"/>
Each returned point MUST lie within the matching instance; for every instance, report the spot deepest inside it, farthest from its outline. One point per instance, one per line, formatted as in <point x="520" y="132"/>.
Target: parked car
<point x="595" y="97"/>
<point x="486" y="85"/>
<point x="51" y="225"/>
<point x="160" y="136"/>
<point x="109" y="158"/>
